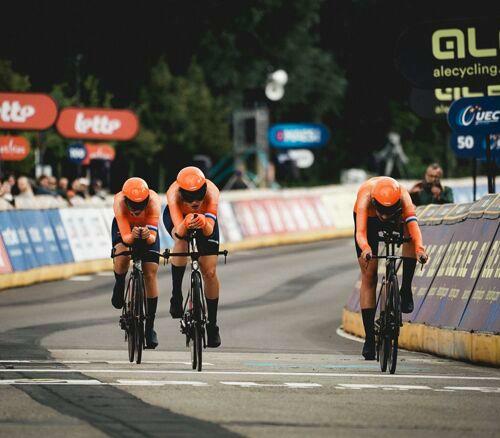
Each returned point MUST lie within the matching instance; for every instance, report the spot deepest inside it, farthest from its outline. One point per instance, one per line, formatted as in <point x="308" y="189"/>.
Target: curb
<point x="479" y="348"/>
<point x="61" y="272"/>
<point x="55" y="272"/>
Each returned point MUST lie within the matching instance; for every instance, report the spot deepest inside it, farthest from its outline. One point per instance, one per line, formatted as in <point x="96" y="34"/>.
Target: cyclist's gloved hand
<point x="136" y="232"/>
<point x="367" y="254"/>
<point x="145" y="232"/>
<point x="199" y="221"/>
<point x="188" y="220"/>
<point x="422" y="257"/>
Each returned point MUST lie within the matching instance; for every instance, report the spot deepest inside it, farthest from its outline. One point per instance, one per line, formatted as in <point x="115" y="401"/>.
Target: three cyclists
<point x="382" y="202"/>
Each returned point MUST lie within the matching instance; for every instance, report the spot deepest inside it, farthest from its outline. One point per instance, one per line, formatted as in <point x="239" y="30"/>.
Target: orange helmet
<point x="136" y="192"/>
<point x="192" y="184"/>
<point x="386" y="196"/>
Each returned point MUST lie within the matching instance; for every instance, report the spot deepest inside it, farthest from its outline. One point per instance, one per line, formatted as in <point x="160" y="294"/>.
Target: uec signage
<point x="298" y="135"/>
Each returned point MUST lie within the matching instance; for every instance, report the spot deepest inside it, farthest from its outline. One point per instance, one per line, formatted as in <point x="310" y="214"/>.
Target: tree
<point x="179" y="118"/>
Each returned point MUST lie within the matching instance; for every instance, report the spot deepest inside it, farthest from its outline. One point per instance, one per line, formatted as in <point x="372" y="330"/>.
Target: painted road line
<point x="110" y="362"/>
<point x="159" y="382"/>
<point x="251" y="373"/>
<point x="50" y="382"/>
<point x="81" y="278"/>
<point x="386" y="387"/>
<point x="473" y="388"/>
<point x="272" y="385"/>
<point x="340" y="332"/>
<point x="105" y="274"/>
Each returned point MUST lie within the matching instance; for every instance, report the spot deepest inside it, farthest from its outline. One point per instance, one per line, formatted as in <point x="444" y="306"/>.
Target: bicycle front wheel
<point x="396" y="321"/>
<point x="139" y="317"/>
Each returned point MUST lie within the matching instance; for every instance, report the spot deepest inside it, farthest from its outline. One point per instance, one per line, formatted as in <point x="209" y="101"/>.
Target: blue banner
<point x="12" y="242"/>
<point x="62" y="239"/>
<point x="475" y="115"/>
<point x="39" y="227"/>
<point x="30" y="258"/>
<point x="77" y="152"/>
<point x="474" y="146"/>
<point x="298" y="135"/>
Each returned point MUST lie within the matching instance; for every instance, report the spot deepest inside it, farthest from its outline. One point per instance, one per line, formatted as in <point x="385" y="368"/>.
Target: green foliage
<point x="10" y="80"/>
<point x="179" y="118"/>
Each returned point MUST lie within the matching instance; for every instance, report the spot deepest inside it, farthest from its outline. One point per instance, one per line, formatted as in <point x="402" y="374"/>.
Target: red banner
<point x="97" y="124"/>
<point x="99" y="152"/>
<point x="27" y="111"/>
<point x="13" y="148"/>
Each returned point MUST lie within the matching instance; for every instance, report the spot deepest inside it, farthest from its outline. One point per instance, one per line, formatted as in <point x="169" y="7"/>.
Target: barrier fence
<point x="459" y="289"/>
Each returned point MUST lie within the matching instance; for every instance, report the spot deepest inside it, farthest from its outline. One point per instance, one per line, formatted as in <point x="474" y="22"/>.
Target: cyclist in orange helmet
<point x="383" y="202"/>
<point x="137" y="212"/>
<point x="192" y="204"/>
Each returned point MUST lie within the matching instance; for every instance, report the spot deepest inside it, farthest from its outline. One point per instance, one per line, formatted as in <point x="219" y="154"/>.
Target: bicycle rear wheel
<point x="129" y="321"/>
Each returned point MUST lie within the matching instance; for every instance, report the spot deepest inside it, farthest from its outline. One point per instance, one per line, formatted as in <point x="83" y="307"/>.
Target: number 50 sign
<point x="474" y="146"/>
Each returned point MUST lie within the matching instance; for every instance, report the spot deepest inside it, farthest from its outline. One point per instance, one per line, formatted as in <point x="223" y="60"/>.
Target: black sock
<point x="177" y="276"/>
<point x="152" y="304"/>
<point x="118" y="289"/>
<point x="408" y="271"/>
<point x="212" y="310"/>
<point x="368" y="321"/>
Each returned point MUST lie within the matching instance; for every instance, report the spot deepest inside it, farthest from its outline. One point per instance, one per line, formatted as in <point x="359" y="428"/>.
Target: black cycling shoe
<point x="213" y="337"/>
<point x="406" y="301"/>
<point x="369" y="349"/>
<point x="117" y="300"/>
<point x="176" y="310"/>
<point x="151" y="339"/>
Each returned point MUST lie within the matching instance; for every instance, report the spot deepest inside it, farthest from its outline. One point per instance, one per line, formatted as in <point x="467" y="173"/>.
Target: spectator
<point x="44" y="186"/>
<point x="96" y="190"/>
<point x="62" y="187"/>
<point x="53" y="183"/>
<point x="430" y="190"/>
<point x="6" y="191"/>
<point x="80" y="187"/>
<point x="24" y="187"/>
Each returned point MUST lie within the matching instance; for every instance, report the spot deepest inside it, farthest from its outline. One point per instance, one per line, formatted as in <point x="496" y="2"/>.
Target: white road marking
<point x="81" y="278"/>
<point x="340" y="332"/>
<point x="111" y="362"/>
<point x="473" y="388"/>
<point x="50" y="382"/>
<point x="271" y="385"/>
<point x="250" y="373"/>
<point x="159" y="382"/>
<point x="105" y="274"/>
<point x="386" y="387"/>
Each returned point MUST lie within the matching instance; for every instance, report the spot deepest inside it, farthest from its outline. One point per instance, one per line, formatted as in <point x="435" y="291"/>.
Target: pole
<point x="474" y="178"/>
<point x="489" y="167"/>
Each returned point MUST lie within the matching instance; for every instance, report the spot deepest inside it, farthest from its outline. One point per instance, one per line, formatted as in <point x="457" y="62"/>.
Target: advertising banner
<point x="30" y="258"/>
<point x="483" y="310"/>
<point x="298" y="135"/>
<point x="77" y="152"/>
<point x="97" y="124"/>
<point x="12" y="242"/>
<point x="99" y="152"/>
<point x="13" y="148"/>
<point x="61" y="237"/>
<point x="474" y="146"/>
<point x="76" y="235"/>
<point x="228" y="223"/>
<point x="33" y="222"/>
<point x="436" y="240"/>
<point x="26" y="111"/>
<point x="5" y="266"/>
<point x="475" y="115"/>
<point x="454" y="282"/>
<point x="451" y="53"/>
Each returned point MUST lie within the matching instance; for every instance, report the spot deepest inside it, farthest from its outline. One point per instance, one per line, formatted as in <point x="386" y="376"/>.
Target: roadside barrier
<point x="457" y="294"/>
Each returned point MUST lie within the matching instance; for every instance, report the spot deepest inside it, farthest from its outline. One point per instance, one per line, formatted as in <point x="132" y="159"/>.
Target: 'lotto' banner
<point x="97" y="124"/>
<point x="25" y="111"/>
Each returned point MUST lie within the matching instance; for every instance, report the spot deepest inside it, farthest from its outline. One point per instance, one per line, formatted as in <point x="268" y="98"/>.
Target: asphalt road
<point x="283" y="369"/>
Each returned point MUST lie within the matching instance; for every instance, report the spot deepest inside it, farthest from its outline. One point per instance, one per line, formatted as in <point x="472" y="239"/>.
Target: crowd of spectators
<point x="12" y="188"/>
